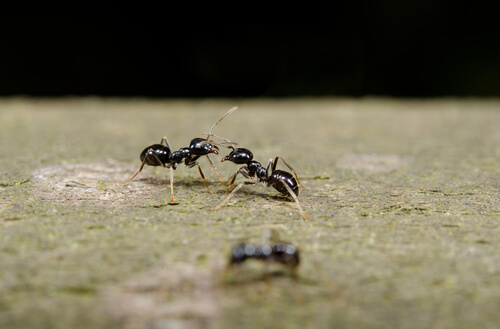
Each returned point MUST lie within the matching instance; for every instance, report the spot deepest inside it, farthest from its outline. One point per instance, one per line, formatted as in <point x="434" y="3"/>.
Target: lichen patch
<point x="93" y="183"/>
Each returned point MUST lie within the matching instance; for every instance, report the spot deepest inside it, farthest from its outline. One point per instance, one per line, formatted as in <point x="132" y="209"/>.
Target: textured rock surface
<point x="403" y="198"/>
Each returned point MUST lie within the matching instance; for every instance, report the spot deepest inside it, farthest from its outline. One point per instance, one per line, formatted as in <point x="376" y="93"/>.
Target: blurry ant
<point x="162" y="155"/>
<point x="281" y="180"/>
<point x="279" y="252"/>
<point x="282" y="253"/>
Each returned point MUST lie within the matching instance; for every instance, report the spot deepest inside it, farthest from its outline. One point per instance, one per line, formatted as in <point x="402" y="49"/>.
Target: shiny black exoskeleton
<point x="275" y="178"/>
<point x="279" y="253"/>
<point x="162" y="155"/>
<point x="283" y="181"/>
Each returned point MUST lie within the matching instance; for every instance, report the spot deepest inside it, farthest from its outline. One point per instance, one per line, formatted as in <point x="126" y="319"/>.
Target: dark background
<point x="385" y="48"/>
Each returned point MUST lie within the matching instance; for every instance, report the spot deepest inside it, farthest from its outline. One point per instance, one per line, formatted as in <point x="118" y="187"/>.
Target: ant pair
<point x="161" y="155"/>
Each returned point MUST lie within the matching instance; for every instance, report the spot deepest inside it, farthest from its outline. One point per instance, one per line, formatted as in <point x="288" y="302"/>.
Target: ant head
<point x="239" y="156"/>
<point x="199" y="146"/>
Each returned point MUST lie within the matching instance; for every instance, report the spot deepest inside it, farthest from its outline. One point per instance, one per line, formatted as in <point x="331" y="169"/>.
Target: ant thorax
<point x="180" y="155"/>
<point x="262" y="172"/>
<point x="256" y="169"/>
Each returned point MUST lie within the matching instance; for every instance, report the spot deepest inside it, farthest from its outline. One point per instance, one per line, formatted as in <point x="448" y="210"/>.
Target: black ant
<point x="279" y="252"/>
<point x="281" y="180"/>
<point x="282" y="253"/>
<point x="162" y="155"/>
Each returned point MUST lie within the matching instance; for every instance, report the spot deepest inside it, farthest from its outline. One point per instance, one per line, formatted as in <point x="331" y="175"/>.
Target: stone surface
<point x="403" y="198"/>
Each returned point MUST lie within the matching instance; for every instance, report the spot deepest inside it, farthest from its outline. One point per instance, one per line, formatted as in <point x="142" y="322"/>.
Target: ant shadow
<point x="264" y="194"/>
<point x="165" y="182"/>
<point x="260" y="194"/>
<point x="216" y="187"/>
<point x="238" y="278"/>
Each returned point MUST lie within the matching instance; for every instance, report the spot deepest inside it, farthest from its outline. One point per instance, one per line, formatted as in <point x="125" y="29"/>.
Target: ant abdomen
<point x="155" y="155"/>
<point x="276" y="178"/>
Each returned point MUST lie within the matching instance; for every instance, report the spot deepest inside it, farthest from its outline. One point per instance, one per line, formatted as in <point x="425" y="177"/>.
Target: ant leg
<point x="232" y="179"/>
<point x="289" y="189"/>
<point x="150" y="152"/>
<point x="221" y="118"/>
<point x="242" y="171"/>
<point x="164" y="139"/>
<point x="137" y="173"/>
<point x="267" y="168"/>
<point x="191" y="165"/>
<point x="335" y="290"/>
<point x="232" y="193"/>
<point x="171" y="185"/>
<point x="214" y="167"/>
<point x="275" y="163"/>
<point x="223" y="144"/>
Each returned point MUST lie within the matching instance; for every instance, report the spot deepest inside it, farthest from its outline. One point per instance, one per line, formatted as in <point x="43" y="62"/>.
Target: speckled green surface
<point x="403" y="198"/>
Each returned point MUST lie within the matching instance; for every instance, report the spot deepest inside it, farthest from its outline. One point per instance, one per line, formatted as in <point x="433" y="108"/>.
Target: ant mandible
<point x="283" y="181"/>
<point x="162" y="155"/>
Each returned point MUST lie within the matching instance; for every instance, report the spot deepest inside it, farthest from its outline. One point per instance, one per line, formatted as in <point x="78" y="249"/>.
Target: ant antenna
<point x="221" y="118"/>
<point x="226" y="141"/>
<point x="227" y="144"/>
